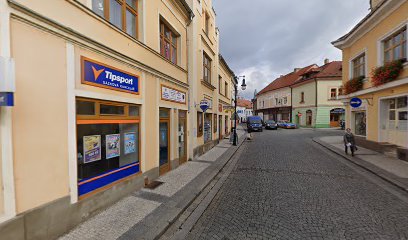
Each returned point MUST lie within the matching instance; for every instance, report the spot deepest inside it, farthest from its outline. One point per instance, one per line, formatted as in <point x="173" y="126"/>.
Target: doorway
<point x="309" y="118"/>
<point x="360" y="123"/>
<point x="220" y="126"/>
<point x="164" y="141"/>
<point x="182" y="136"/>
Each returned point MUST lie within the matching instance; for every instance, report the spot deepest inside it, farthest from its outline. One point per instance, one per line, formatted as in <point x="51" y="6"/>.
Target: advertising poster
<point x="112" y="146"/>
<point x="92" y="148"/>
<point x="130" y="142"/>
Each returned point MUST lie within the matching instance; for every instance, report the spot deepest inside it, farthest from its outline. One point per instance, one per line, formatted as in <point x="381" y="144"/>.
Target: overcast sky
<point x="263" y="39"/>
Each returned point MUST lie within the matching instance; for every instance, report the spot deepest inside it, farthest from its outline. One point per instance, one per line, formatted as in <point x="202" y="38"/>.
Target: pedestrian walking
<point x="349" y="142"/>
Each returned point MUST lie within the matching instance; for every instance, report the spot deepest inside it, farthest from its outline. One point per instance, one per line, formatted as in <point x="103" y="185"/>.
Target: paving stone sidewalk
<point x="146" y="214"/>
<point x="390" y="169"/>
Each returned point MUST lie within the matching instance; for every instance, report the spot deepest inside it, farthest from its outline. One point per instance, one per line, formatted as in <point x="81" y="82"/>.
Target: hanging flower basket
<point x="354" y="85"/>
<point x="387" y="73"/>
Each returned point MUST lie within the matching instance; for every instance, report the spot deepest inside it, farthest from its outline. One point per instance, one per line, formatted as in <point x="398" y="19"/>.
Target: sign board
<point x="6" y="99"/>
<point x="299" y="114"/>
<point x="204" y="105"/>
<point x="104" y="76"/>
<point x="338" y="110"/>
<point x="172" y="95"/>
<point x="356" y="102"/>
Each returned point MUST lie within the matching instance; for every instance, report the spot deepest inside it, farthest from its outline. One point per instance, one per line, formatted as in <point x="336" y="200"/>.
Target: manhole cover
<point x="153" y="184"/>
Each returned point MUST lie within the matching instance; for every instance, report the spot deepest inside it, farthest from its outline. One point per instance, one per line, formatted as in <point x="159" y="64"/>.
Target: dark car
<point x="270" y="124"/>
<point x="254" y="123"/>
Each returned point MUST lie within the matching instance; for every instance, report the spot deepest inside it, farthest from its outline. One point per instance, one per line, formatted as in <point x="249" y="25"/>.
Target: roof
<point x="287" y="80"/>
<point x="329" y="70"/>
<point x="222" y="60"/>
<point x="244" y="103"/>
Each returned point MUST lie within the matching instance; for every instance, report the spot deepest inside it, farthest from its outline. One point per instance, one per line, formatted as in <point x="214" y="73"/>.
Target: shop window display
<point x="107" y="143"/>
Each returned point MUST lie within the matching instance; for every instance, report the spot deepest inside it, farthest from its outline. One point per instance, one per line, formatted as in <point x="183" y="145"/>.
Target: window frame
<point x="356" y="66"/>
<point x="206" y="23"/>
<point x="302" y="97"/>
<point x="393" y="45"/>
<point x="207" y="67"/>
<point x="335" y="93"/>
<point x="219" y="84"/>
<point x="163" y="39"/>
<point x="226" y="89"/>
<point x="124" y="8"/>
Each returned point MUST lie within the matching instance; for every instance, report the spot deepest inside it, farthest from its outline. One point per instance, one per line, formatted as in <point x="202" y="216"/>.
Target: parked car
<point x="286" y="124"/>
<point x="270" y="124"/>
<point x="254" y="123"/>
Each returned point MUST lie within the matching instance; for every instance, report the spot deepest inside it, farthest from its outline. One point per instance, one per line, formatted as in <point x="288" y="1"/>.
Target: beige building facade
<point x="104" y="102"/>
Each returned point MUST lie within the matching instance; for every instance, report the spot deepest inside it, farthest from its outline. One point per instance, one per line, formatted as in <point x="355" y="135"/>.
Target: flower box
<point x="387" y="73"/>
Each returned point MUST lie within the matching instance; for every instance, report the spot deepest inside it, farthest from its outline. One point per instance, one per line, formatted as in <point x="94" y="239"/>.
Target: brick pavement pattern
<point x="285" y="187"/>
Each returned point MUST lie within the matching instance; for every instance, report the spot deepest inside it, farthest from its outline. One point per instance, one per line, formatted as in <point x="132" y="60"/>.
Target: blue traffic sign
<point x="204" y="105"/>
<point x="356" y="102"/>
<point x="6" y="99"/>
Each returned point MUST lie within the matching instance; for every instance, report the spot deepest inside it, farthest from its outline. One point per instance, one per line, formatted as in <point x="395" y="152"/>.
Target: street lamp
<point x="243" y="87"/>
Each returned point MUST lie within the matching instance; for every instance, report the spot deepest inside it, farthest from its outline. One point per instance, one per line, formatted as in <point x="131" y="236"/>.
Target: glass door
<point x="164" y="141"/>
<point x="182" y="139"/>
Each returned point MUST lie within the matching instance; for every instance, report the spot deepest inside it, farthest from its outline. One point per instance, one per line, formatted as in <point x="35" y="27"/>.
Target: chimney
<point x="326" y="61"/>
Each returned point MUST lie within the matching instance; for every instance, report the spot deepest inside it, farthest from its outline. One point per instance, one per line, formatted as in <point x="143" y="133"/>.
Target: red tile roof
<point x="244" y="103"/>
<point x="287" y="80"/>
<point x="329" y="70"/>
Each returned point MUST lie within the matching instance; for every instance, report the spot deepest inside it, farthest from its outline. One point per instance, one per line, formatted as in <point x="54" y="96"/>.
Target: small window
<point x="395" y="47"/>
<point x="168" y="43"/>
<point x="333" y="93"/>
<point x="359" y="66"/>
<point x="226" y="90"/>
<point x="220" y="84"/>
<point x="302" y="97"/>
<point x="85" y="108"/>
<point x="112" y="109"/>
<point x="164" y="113"/>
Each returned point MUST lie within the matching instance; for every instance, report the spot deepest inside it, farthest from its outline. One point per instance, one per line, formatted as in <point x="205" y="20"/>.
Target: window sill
<point x="208" y="85"/>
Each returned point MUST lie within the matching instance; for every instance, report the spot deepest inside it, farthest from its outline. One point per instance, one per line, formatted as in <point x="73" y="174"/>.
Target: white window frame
<point x="380" y="43"/>
<point x="351" y="66"/>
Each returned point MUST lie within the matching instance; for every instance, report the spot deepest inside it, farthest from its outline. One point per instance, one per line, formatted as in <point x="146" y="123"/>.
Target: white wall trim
<point x="142" y="128"/>
<point x="72" y="153"/>
<point x="6" y="125"/>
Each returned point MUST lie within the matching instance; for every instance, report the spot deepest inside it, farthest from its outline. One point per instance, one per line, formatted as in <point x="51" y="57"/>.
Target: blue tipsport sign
<point x="356" y="102"/>
<point x="6" y="99"/>
<point x="104" y="76"/>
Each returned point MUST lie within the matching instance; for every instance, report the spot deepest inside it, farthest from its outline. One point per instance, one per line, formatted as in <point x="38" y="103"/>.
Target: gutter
<point x="190" y="12"/>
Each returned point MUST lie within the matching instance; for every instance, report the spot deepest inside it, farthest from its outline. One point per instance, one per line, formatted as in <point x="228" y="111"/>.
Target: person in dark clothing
<point x="349" y="142"/>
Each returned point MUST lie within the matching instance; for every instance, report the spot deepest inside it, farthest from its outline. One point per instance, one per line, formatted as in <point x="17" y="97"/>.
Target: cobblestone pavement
<point x="284" y="186"/>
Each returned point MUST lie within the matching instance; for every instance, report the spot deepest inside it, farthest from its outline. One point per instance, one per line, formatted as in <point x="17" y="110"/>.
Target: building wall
<point x="309" y="90"/>
<point x="267" y="100"/>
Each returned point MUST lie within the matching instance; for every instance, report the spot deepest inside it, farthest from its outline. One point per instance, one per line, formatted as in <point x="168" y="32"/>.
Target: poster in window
<point x="112" y="146"/>
<point x="92" y="148"/>
<point x="130" y="143"/>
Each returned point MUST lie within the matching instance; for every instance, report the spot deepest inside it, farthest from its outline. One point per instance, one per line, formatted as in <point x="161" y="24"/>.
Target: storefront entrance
<point x="394" y="121"/>
<point x="207" y="127"/>
<point x="309" y="117"/>
<point x="335" y="116"/>
<point x="182" y="139"/>
<point x="164" y="142"/>
<point x="360" y="123"/>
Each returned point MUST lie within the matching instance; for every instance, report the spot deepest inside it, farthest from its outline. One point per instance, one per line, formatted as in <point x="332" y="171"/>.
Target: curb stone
<point x="386" y="176"/>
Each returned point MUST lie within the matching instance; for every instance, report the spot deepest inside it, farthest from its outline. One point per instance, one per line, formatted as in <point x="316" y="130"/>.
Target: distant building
<point x="244" y="109"/>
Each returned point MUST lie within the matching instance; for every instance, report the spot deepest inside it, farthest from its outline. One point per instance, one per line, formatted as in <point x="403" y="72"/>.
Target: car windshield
<point x="270" y="122"/>
<point x="255" y="121"/>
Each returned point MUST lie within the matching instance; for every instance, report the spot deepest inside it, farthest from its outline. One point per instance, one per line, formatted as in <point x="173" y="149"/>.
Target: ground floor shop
<point x="383" y="116"/>
<point x="276" y="114"/>
<point x="319" y="117"/>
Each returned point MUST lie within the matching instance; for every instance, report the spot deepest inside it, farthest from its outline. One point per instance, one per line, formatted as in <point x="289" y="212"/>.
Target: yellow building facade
<point x="103" y="103"/>
<point x="379" y="38"/>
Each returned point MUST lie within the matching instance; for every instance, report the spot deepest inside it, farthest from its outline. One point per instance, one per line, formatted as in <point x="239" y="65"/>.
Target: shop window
<point x="402" y="102"/>
<point x="121" y="13"/>
<point x="164" y="113"/>
<point x="133" y="111"/>
<point x="206" y="68"/>
<point x="85" y="108"/>
<point x="199" y="124"/>
<point x="107" y="144"/>
<point x="168" y="42"/>
<point x="358" y="66"/>
<point x="207" y="127"/>
<point x="395" y="46"/>
<point x="111" y="109"/>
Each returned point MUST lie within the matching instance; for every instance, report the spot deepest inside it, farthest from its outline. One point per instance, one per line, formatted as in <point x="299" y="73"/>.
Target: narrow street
<point x="285" y="186"/>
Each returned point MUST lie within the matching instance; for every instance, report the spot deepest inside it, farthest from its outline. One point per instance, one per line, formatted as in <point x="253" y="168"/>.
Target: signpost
<point x="356" y="102"/>
<point x="204" y="105"/>
<point x="6" y="99"/>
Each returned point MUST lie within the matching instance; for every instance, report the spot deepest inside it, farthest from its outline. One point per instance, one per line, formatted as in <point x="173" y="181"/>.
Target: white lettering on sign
<point x="113" y="77"/>
<point x="173" y="95"/>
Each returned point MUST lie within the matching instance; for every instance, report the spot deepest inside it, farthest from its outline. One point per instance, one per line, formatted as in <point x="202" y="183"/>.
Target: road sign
<point x="356" y="102"/>
<point x="6" y="99"/>
<point x="204" y="105"/>
<point x="299" y="114"/>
